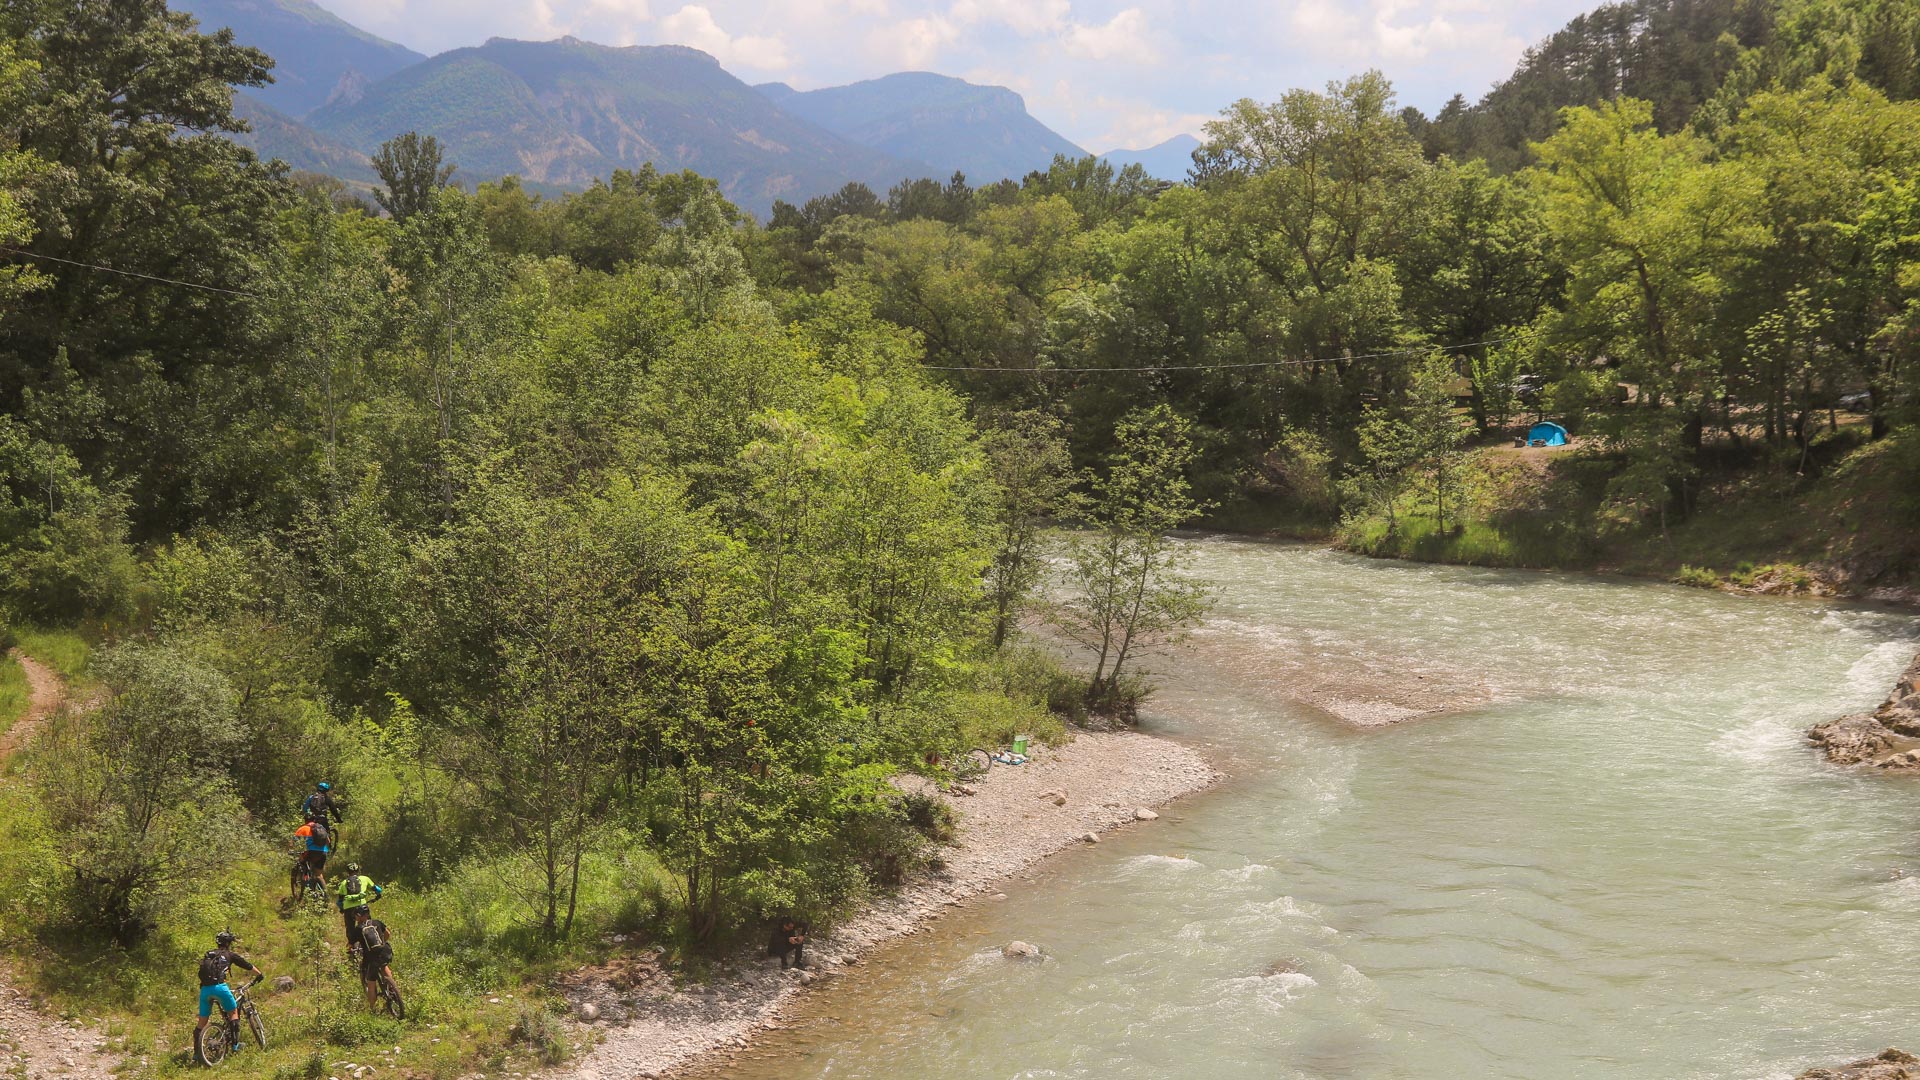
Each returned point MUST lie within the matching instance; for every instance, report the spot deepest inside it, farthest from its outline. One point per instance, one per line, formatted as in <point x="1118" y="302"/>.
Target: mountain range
<point x="1167" y="160"/>
<point x="560" y="114"/>
<point x="950" y="125"/>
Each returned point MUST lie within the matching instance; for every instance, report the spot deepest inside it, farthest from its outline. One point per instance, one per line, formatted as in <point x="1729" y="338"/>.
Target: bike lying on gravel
<point x="212" y="1044"/>
<point x="967" y="768"/>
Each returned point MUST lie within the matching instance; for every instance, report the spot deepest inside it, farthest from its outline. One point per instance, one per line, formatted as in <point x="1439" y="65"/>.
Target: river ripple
<point x="1602" y="849"/>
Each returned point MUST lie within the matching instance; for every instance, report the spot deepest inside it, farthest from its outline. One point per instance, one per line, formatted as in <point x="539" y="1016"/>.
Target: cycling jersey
<point x="321" y="842"/>
<point x="356" y="891"/>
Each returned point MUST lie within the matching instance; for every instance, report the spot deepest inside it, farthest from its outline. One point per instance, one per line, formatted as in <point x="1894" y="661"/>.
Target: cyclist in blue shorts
<point x="213" y="986"/>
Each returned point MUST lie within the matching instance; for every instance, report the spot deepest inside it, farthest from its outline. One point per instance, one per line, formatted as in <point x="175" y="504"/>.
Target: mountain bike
<point x="305" y="880"/>
<point x="388" y="993"/>
<point x="212" y="1044"/>
<point x="969" y="767"/>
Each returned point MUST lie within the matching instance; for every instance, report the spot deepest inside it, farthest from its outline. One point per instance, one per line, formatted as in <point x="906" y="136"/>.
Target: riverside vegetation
<point x="613" y="550"/>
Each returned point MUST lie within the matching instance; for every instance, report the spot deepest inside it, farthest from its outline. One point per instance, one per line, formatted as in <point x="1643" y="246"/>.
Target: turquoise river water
<point x="1608" y="852"/>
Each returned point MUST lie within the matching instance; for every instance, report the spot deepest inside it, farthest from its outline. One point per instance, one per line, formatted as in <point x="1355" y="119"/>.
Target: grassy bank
<point x="1846" y="519"/>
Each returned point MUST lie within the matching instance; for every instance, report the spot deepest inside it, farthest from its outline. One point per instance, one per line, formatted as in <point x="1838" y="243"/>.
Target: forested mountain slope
<point x="947" y="123"/>
<point x="565" y="113"/>
<point x="1680" y="55"/>
<point x="317" y="55"/>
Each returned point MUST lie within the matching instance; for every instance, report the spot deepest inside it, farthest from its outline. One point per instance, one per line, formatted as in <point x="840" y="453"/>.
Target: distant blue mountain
<point x="1169" y="160"/>
<point x="947" y="123"/>
<point x="317" y="55"/>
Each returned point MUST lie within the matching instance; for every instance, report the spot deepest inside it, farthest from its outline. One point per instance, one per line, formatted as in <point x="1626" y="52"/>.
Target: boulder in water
<point x="1144" y="814"/>
<point x="1020" y="950"/>
<point x="1853" y="740"/>
<point x="1878" y="738"/>
<point x="1890" y="1065"/>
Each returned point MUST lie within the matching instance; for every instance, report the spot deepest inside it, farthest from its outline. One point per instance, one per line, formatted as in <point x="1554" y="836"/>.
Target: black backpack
<point x="371" y="936"/>
<point x="321" y="835"/>
<point x="214" y="967"/>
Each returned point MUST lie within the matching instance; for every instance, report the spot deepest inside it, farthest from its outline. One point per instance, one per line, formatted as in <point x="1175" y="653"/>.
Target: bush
<point x="138" y="803"/>
<point x="542" y="1032"/>
<point x="1697" y="577"/>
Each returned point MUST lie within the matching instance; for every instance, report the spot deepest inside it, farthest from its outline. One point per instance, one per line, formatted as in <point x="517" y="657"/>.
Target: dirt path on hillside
<point x="32" y="1044"/>
<point x="45" y="694"/>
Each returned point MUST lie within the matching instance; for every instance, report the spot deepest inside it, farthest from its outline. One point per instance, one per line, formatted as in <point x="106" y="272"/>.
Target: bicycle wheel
<point x="978" y="761"/>
<point x="391" y="991"/>
<point x="210" y="1043"/>
<point x="259" y="1026"/>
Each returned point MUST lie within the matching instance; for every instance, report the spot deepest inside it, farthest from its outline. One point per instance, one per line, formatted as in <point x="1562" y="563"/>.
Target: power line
<point x="129" y="273"/>
<point x="1225" y="367"/>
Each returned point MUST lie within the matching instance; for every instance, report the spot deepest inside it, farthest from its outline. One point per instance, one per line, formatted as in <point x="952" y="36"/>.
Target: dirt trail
<point x="32" y="1044"/>
<point x="45" y="694"/>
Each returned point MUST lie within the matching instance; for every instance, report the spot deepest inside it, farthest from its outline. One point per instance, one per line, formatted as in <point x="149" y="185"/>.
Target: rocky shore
<point x="1887" y="738"/>
<point x="1889" y="1065"/>
<point x="653" y="1025"/>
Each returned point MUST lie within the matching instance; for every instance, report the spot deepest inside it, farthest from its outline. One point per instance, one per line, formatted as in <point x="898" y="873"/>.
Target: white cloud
<point x="1123" y="38"/>
<point x="1024" y="17"/>
<point x="911" y="43"/>
<point x="694" y="25"/>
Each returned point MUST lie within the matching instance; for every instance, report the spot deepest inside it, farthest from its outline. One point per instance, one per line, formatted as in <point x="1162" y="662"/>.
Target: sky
<point x="1104" y="73"/>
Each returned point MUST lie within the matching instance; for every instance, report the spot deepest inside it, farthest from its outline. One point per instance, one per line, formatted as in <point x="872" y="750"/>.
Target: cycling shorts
<point x="317" y="860"/>
<point x="221" y="993"/>
<point x="371" y="963"/>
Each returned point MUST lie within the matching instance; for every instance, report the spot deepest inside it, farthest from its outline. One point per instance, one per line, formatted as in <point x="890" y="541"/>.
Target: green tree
<point x="141" y="810"/>
<point x="1128" y="588"/>
<point x="1033" y="472"/>
<point x="411" y="172"/>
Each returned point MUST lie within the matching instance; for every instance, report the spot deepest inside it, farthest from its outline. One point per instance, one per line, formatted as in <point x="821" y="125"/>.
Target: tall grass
<point x="65" y="651"/>
<point x="14" y="693"/>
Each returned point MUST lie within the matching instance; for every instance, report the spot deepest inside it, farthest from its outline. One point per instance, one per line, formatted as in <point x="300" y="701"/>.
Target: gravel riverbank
<point x="1017" y="816"/>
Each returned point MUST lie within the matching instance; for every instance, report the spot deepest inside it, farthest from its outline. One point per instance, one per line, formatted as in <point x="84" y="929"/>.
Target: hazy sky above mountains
<point x="1105" y="73"/>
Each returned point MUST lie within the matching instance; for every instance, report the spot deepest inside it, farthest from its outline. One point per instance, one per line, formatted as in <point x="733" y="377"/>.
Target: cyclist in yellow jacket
<point x="356" y="891"/>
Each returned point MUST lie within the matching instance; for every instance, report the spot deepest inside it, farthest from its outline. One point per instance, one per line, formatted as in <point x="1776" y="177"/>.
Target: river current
<point x="1601" y="848"/>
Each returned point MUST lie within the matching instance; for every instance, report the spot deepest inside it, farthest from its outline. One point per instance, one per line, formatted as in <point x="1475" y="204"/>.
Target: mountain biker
<point x="319" y="843"/>
<point x="326" y="806"/>
<point x="378" y="943"/>
<point x="356" y="892"/>
<point x="213" y="985"/>
<point x="322" y="803"/>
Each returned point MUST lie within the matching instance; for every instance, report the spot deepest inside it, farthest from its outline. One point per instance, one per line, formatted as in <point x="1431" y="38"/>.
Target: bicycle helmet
<point x="324" y="786"/>
<point x="224" y="938"/>
<point x="353" y="868"/>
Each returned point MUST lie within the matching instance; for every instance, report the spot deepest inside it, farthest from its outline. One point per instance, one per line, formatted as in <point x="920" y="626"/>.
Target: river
<point x="1607" y="852"/>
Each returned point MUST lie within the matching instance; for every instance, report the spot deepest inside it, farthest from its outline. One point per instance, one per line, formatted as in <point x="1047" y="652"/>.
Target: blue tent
<point x="1546" y="434"/>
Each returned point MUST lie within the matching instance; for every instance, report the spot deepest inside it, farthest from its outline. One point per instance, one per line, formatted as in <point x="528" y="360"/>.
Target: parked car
<point x="1858" y="401"/>
<point x="1528" y="388"/>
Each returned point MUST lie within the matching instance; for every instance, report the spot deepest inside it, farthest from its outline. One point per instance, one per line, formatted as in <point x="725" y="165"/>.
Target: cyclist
<point x="323" y="804"/>
<point x="319" y="843"/>
<point x="378" y="943"/>
<point x="356" y="891"/>
<point x="213" y="986"/>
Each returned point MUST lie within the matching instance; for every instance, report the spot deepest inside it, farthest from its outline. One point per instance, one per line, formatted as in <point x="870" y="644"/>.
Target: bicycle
<point x="212" y="1044"/>
<point x="305" y="880"/>
<point x="970" y="766"/>
<point x="386" y="990"/>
